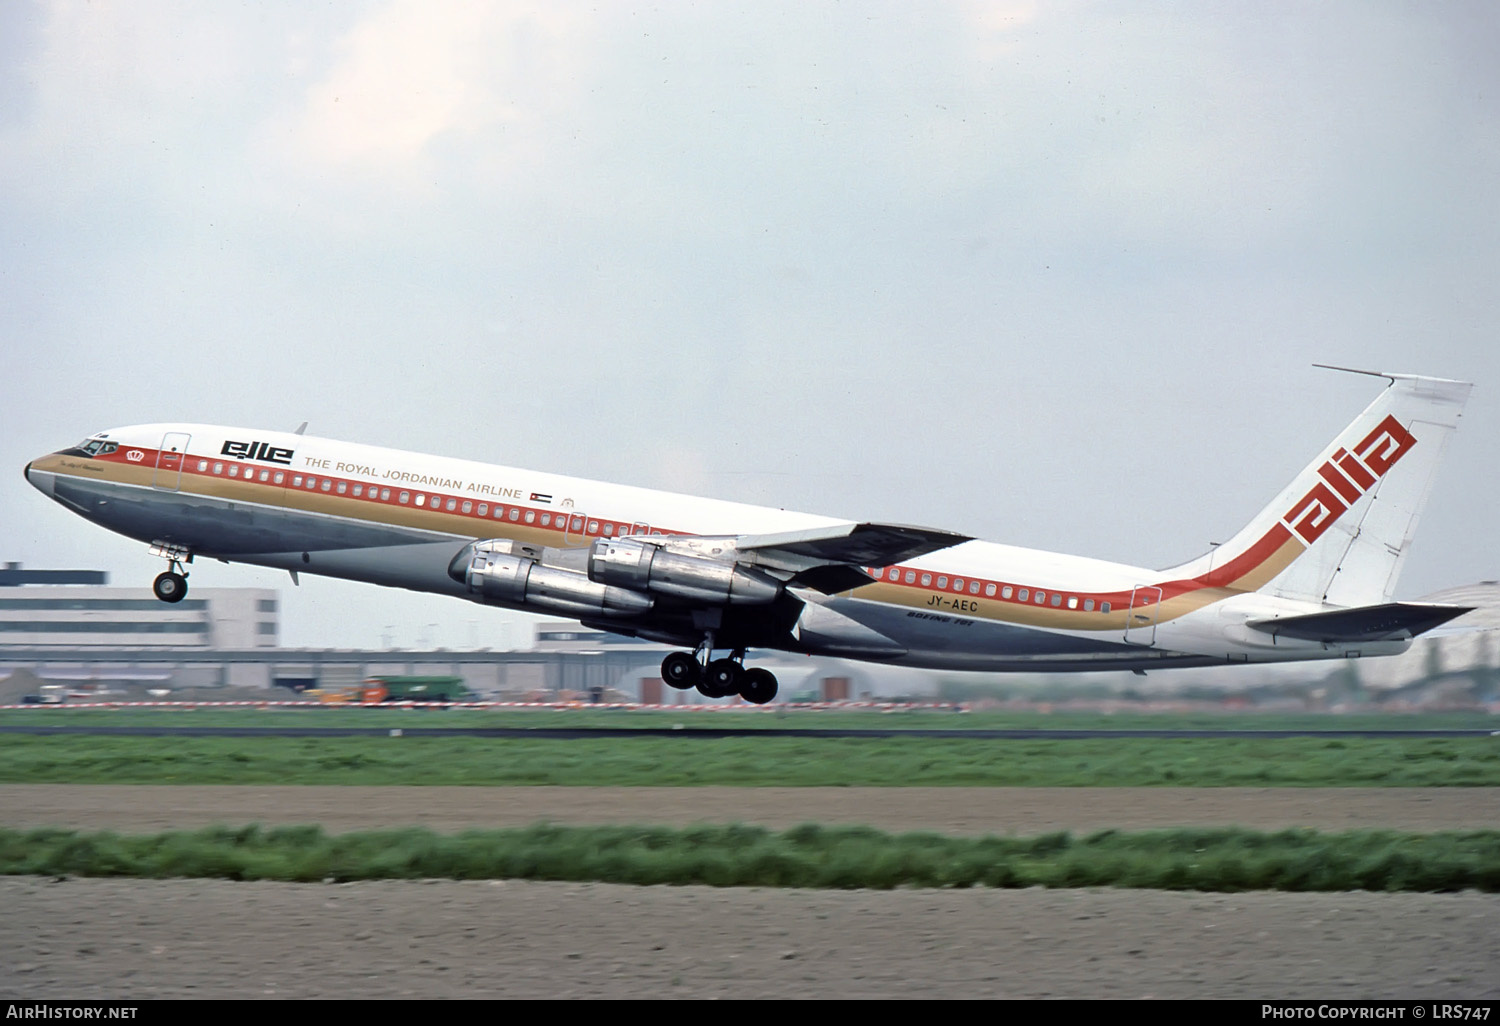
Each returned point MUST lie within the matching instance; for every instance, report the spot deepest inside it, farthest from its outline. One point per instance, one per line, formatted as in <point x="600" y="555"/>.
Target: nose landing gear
<point x="171" y="586"/>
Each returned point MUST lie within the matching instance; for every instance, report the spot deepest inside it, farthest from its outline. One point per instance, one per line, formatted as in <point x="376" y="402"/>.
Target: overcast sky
<point x="1053" y="274"/>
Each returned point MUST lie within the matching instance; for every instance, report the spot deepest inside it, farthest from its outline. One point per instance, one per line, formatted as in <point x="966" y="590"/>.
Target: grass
<point x="627" y="760"/>
<point x="806" y="856"/>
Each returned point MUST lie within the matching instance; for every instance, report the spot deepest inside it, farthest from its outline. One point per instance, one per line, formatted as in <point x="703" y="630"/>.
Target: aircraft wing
<point x="856" y="544"/>
<point x="830" y="559"/>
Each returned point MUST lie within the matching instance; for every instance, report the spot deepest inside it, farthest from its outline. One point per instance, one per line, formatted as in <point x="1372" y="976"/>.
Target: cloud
<point x="417" y="84"/>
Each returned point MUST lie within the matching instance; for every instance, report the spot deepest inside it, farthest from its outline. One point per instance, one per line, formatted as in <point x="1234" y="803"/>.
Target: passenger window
<point x="1022" y="594"/>
<point x="359" y="490"/>
<point x="989" y="590"/>
<point x="1041" y="597"/>
<point x="265" y="475"/>
<point x="1007" y="591"/>
<point x="893" y="573"/>
<point x="296" y="480"/>
<point x="234" y="470"/>
<point x="531" y="516"/>
<point x="202" y="465"/>
<point x="1072" y="601"/>
<point x="942" y="582"/>
<point x="451" y="505"/>
<point x="385" y="494"/>
<point x="973" y="587"/>
<point x="312" y="482"/>
<point x="1104" y="608"/>
<point x="1088" y="605"/>
<point x="280" y="477"/>
<point x="515" y="514"/>
<point x="958" y="584"/>
<point x="420" y="500"/>
<point x="911" y="577"/>
<point x="593" y="527"/>
<point x="483" y="510"/>
<point x="343" y="487"/>
<point x="327" y="484"/>
<point x="926" y="580"/>
<point x="546" y="519"/>
<point x="1056" y="599"/>
<point x="609" y="529"/>
<point x="218" y="468"/>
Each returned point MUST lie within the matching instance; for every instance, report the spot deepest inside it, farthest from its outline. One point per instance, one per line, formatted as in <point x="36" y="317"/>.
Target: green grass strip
<point x="756" y="761"/>
<point x="808" y="856"/>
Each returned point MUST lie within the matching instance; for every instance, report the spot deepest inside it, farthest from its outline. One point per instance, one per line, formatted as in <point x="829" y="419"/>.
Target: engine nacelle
<point x="493" y="574"/>
<point x="630" y="563"/>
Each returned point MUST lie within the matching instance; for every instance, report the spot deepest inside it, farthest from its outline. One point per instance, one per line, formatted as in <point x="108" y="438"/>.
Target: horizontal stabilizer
<point x="1390" y="621"/>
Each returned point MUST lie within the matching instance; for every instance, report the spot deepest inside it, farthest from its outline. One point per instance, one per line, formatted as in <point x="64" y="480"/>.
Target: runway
<point x="598" y="733"/>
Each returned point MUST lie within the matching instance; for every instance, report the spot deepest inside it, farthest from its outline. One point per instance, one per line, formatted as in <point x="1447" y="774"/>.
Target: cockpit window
<point x="97" y="447"/>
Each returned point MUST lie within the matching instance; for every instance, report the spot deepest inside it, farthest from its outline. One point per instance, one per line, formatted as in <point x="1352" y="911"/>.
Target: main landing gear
<point x="718" y="678"/>
<point x="171" y="586"/>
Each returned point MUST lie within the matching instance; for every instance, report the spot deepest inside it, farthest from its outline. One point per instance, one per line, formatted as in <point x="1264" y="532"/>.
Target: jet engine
<point x="645" y="566"/>
<point x="493" y="573"/>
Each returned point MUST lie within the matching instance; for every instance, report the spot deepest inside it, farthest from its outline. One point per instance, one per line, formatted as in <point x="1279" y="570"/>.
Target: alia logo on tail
<point x="1351" y="475"/>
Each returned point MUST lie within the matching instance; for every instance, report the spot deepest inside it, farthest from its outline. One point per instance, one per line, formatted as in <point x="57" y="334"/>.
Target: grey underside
<point x="418" y="560"/>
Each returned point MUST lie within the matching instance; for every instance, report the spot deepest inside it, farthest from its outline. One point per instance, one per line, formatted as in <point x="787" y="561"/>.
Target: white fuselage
<point x="398" y="518"/>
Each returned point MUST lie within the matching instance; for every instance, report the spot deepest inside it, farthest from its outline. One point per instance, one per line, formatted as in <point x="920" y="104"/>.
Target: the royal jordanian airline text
<point x="407" y="477"/>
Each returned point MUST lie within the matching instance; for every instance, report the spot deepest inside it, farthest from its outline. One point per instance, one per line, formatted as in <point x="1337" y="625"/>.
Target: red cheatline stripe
<point x="1223" y="576"/>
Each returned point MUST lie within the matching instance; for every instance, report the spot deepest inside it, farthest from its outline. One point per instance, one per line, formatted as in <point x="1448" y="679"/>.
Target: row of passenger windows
<point x="513" y="514"/>
<point x="1008" y="592"/>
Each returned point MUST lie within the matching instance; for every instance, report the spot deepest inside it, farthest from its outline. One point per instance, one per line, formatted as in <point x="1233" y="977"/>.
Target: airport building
<point x="71" y="629"/>
<point x="77" y="609"/>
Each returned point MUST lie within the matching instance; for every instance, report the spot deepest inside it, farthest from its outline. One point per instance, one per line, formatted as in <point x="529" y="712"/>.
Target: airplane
<point x="1311" y="576"/>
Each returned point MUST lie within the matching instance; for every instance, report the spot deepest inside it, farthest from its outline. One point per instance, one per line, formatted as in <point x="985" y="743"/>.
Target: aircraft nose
<point x="40" y="479"/>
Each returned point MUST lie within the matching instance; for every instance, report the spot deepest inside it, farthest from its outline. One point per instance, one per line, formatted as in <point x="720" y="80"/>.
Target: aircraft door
<point x="169" y="460"/>
<point x="1140" y="619"/>
<point x="575" y="531"/>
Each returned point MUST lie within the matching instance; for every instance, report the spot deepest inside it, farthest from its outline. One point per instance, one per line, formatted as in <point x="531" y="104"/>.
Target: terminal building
<point x="77" y="609"/>
<point x="70" y="627"/>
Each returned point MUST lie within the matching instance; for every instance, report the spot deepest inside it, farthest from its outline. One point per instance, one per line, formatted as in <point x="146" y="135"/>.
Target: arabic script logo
<point x="135" y="455"/>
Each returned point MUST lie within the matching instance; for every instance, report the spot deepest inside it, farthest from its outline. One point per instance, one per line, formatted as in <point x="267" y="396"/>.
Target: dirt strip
<point x="136" y="939"/>
<point x="950" y="810"/>
<point x="80" y="939"/>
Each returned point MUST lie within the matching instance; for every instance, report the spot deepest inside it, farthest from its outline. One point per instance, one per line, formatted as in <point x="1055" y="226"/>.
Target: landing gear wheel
<point x="721" y="678"/>
<point x="681" y="670"/>
<point x="758" y="686"/>
<point x="169" y="587"/>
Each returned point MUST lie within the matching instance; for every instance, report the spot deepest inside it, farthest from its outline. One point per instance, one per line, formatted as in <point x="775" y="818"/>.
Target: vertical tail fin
<point x="1340" y="532"/>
